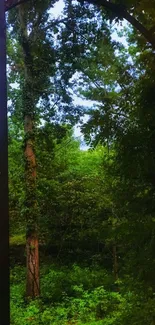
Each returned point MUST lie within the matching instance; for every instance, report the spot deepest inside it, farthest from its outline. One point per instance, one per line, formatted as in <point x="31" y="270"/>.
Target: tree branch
<point x="121" y="12"/>
<point x="10" y="4"/>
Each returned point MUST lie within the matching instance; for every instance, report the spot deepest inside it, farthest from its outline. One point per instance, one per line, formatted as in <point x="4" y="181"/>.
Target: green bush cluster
<point x="78" y="296"/>
<point x="69" y="296"/>
<point x="59" y="282"/>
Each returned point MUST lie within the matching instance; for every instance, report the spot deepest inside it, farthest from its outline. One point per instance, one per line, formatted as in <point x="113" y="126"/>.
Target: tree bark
<point x="115" y="267"/>
<point x="32" y="253"/>
<point x="32" y="246"/>
<point x="115" y="262"/>
<point x="31" y="210"/>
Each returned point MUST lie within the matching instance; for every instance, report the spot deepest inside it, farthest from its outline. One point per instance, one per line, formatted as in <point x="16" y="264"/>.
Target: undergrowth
<point x="71" y="296"/>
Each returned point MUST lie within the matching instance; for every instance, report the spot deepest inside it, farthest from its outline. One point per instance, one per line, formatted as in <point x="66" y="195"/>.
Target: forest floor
<point x="71" y="293"/>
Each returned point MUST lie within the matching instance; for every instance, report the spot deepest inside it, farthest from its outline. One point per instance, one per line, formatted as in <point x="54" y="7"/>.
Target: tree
<point x="123" y="119"/>
<point x="33" y="83"/>
<point x="100" y="202"/>
<point x="32" y="58"/>
<point x="123" y="10"/>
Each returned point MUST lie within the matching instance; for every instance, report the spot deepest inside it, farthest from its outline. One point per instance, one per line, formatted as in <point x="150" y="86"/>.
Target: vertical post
<point x="4" y="220"/>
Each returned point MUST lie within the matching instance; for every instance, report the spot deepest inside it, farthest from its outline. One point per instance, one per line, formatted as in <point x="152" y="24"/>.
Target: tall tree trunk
<point x="115" y="267"/>
<point x="115" y="262"/>
<point x="32" y="247"/>
<point x="31" y="210"/>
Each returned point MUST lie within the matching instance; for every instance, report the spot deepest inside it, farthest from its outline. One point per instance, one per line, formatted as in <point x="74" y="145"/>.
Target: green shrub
<point x="71" y="297"/>
<point x="58" y="283"/>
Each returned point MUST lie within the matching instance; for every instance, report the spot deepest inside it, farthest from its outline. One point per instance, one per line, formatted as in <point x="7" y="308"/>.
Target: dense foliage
<point x="95" y="207"/>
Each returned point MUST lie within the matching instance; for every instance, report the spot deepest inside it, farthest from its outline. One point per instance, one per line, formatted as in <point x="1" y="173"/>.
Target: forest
<point x="81" y="204"/>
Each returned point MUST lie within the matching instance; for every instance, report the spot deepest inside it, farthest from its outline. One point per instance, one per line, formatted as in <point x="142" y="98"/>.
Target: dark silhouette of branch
<point x="119" y="10"/>
<point x="10" y="4"/>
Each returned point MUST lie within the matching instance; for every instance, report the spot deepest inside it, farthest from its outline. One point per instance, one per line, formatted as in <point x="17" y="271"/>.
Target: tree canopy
<point x="87" y="217"/>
